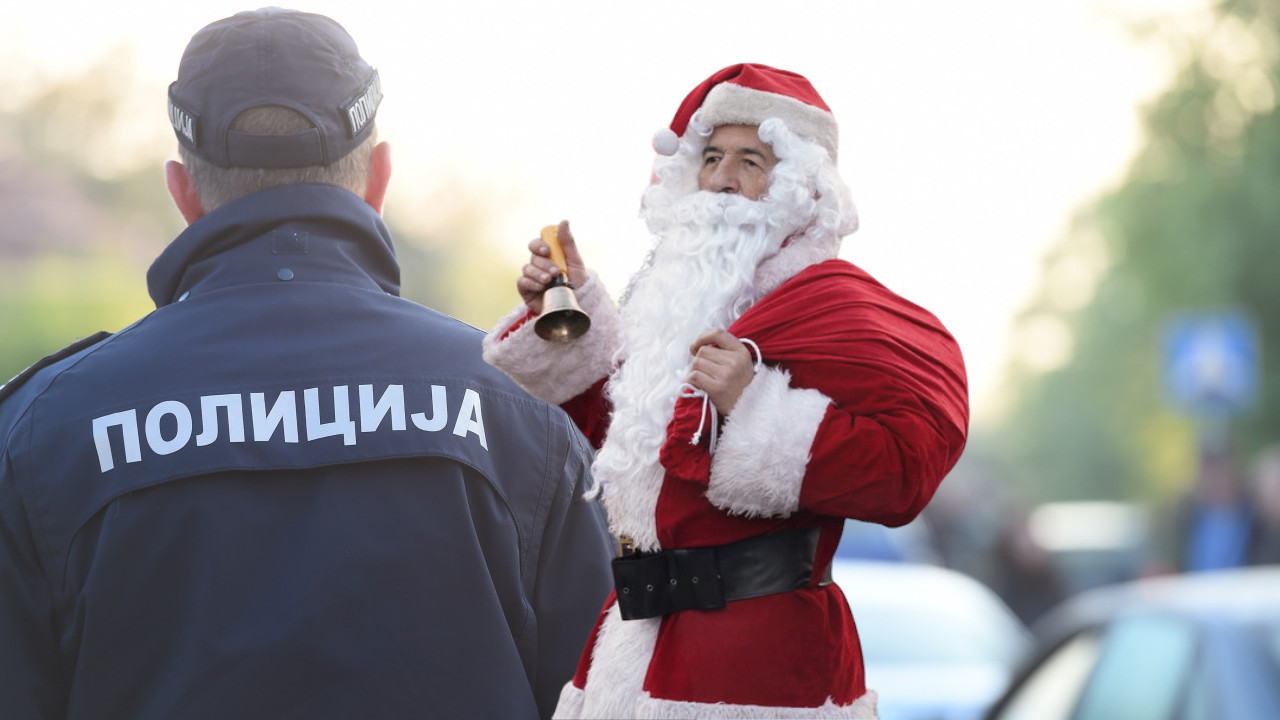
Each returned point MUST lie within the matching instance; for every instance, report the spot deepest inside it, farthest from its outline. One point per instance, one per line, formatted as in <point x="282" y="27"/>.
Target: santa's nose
<point x="723" y="181"/>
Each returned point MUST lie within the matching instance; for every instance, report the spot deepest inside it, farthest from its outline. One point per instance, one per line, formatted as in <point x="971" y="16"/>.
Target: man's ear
<point x="379" y="176"/>
<point x="183" y="191"/>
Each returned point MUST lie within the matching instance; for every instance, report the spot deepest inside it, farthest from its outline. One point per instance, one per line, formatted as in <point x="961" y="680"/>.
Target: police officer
<point x="287" y="492"/>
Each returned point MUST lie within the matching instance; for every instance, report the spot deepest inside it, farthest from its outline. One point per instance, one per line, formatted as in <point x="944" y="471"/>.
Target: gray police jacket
<point x="288" y="493"/>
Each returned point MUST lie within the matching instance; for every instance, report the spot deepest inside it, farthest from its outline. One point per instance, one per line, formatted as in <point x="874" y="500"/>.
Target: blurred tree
<point x="84" y="211"/>
<point x="1193" y="227"/>
<point x="448" y="259"/>
<point x="74" y="243"/>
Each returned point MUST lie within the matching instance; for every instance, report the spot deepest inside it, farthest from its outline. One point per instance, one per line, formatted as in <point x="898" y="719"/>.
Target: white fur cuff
<point x="759" y="463"/>
<point x="557" y="372"/>
<point x="864" y="708"/>
<point x="570" y="705"/>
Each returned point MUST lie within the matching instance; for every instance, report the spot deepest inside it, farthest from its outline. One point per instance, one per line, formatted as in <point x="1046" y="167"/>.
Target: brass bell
<point x="562" y="319"/>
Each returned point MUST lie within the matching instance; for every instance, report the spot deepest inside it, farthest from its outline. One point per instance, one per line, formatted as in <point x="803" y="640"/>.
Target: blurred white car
<point x="1204" y="646"/>
<point x="938" y="645"/>
<point x="1093" y="543"/>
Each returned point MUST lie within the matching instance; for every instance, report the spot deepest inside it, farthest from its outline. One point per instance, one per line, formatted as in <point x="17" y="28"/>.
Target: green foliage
<point x="60" y="298"/>
<point x="1193" y="228"/>
<point x="84" y="212"/>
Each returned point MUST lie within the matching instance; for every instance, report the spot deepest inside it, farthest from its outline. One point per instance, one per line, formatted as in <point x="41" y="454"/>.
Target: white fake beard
<point x="700" y="277"/>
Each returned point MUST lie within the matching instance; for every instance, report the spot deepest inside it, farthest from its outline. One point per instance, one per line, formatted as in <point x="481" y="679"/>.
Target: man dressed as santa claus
<point x="748" y="393"/>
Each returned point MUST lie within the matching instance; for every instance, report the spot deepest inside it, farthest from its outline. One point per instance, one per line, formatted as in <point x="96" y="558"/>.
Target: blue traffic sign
<point x="1211" y="363"/>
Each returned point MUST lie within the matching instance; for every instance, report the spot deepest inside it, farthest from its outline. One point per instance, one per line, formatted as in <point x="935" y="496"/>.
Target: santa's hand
<point x="540" y="270"/>
<point x="722" y="368"/>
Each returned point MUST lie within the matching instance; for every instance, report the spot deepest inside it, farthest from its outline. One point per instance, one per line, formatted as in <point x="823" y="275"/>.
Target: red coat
<point x="860" y="411"/>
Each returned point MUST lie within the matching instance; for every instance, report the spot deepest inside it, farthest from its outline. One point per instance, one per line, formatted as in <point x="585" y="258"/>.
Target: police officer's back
<point x="287" y="493"/>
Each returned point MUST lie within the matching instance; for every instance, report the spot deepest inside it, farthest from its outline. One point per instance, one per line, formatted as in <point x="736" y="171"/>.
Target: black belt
<point x="650" y="584"/>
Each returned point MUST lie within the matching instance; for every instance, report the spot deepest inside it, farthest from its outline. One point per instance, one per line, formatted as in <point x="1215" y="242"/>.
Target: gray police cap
<point x="273" y="56"/>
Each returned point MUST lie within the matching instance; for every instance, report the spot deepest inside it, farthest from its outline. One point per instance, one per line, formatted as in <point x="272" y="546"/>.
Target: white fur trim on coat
<point x="569" y="707"/>
<point x="730" y="104"/>
<point x="759" y="464"/>
<point x="619" y="663"/>
<point x="615" y="684"/>
<point x="864" y="708"/>
<point x="557" y="372"/>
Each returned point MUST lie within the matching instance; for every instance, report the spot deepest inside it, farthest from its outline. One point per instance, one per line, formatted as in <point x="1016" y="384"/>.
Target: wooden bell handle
<point x="551" y="236"/>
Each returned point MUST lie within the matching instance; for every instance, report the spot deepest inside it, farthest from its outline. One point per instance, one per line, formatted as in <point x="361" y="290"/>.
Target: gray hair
<point x="217" y="186"/>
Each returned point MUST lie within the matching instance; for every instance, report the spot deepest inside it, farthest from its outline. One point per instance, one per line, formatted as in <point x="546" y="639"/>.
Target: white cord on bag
<point x="755" y="349"/>
<point x="689" y="391"/>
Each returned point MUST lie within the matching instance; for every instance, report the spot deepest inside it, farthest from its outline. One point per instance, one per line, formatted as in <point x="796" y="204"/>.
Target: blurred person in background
<point x="1022" y="572"/>
<point x="1211" y="526"/>
<point x="287" y="492"/>
<point x="766" y="392"/>
<point x="965" y="517"/>
<point x="1264" y="546"/>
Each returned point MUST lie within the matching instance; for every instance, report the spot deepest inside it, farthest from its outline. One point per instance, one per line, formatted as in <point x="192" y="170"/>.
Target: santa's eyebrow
<point x="744" y="151"/>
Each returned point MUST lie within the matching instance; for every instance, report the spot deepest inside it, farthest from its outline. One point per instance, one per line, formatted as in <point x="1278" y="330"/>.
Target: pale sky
<point x="969" y="132"/>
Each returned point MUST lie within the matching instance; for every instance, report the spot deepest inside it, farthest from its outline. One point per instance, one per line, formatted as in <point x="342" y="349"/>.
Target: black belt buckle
<point x="654" y="584"/>
<point x="638" y="580"/>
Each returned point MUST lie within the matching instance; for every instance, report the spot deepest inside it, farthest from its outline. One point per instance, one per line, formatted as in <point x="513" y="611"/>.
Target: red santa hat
<point x="749" y="94"/>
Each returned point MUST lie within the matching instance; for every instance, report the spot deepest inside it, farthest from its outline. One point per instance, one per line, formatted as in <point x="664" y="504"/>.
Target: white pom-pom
<point x="665" y="142"/>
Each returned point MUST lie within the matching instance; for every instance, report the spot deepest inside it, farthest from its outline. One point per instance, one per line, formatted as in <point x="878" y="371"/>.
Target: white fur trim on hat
<point x="557" y="372"/>
<point x="730" y="104"/>
<point x="864" y="708"/>
<point x="665" y="142"/>
<point x="759" y="464"/>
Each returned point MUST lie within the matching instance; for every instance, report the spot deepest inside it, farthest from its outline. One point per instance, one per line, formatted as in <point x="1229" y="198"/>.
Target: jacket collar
<point x="317" y="232"/>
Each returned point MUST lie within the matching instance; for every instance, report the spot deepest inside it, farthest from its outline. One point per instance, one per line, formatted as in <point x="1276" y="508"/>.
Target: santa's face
<point x="736" y="160"/>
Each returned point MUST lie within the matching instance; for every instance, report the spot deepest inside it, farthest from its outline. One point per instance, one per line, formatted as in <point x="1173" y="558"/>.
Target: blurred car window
<point x="1198" y="703"/>
<point x="868" y="541"/>
<point x="1050" y="692"/>
<point x="1143" y="670"/>
<point x="1196" y="646"/>
<point x="1273" y="649"/>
